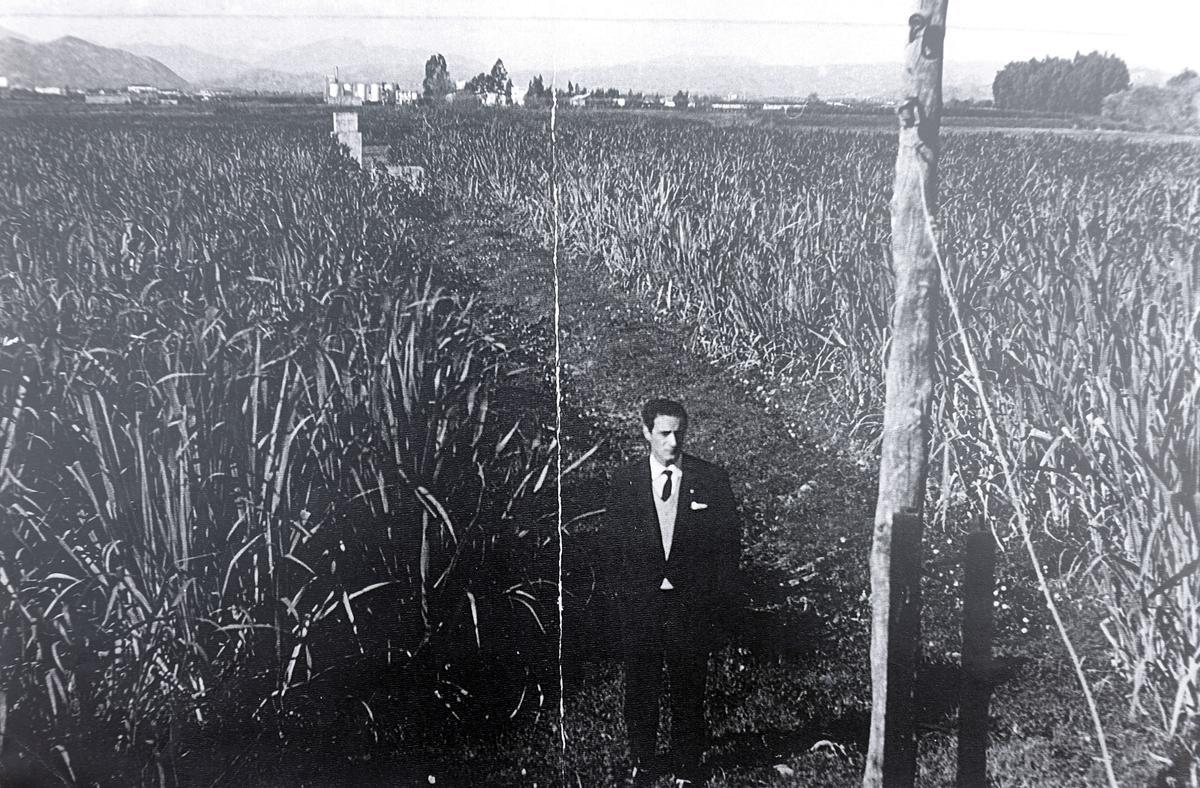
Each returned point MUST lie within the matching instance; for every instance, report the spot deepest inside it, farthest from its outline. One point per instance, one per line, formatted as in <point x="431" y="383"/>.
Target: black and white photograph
<point x="590" y="395"/>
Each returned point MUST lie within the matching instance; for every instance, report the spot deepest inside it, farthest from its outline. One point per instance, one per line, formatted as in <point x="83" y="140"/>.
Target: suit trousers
<point x="687" y="669"/>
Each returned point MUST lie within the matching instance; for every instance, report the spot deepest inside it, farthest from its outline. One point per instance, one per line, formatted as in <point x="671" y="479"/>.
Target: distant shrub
<point x="1174" y="108"/>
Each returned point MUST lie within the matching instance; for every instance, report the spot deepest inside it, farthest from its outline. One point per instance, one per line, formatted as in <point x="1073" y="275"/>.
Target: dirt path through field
<point x="616" y="352"/>
<point x="807" y="507"/>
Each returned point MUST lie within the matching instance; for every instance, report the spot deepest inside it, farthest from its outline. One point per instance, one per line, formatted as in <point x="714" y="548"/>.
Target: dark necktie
<point x="666" y="491"/>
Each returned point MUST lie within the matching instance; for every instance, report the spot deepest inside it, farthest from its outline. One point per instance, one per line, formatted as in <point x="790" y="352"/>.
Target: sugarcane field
<point x="342" y="435"/>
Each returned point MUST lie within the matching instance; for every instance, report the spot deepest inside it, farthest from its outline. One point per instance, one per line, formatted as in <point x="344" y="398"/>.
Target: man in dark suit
<point x="675" y="534"/>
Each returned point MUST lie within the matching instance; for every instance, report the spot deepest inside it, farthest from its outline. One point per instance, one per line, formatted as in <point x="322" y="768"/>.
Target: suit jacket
<point x="704" y="556"/>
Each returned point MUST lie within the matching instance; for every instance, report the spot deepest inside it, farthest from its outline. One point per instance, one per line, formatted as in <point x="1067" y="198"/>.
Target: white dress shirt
<point x="666" y="509"/>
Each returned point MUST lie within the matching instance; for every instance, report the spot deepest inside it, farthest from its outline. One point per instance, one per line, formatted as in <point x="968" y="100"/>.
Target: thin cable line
<point x="562" y="705"/>
<point x="713" y="20"/>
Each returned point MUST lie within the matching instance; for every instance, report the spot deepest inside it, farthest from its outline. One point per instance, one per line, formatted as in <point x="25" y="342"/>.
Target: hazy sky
<point x="536" y="34"/>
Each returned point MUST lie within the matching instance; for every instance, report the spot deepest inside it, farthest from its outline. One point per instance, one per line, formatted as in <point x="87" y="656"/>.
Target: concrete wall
<point x="345" y="129"/>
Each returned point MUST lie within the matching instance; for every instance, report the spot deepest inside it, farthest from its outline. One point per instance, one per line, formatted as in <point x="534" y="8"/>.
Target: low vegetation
<point x="1071" y="264"/>
<point x="258" y="466"/>
<point x="257" y="452"/>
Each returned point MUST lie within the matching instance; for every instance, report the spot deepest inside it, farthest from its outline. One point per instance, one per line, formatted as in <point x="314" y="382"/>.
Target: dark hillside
<point x="76" y="63"/>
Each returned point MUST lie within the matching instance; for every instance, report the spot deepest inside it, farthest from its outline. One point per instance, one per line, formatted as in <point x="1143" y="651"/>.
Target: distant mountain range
<point x="195" y="66"/>
<point x="303" y="68"/>
<point x="204" y="70"/>
<point x="73" y="62"/>
<point x="356" y="60"/>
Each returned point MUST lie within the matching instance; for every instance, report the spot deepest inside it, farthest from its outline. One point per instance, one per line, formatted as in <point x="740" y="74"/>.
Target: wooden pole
<point x="979" y="570"/>
<point x="891" y="754"/>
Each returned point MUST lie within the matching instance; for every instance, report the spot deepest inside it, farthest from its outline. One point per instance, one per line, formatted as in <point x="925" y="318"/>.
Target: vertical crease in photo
<point x="562" y="714"/>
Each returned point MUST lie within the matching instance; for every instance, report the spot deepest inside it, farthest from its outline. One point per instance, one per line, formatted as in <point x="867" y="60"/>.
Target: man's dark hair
<point x="663" y="407"/>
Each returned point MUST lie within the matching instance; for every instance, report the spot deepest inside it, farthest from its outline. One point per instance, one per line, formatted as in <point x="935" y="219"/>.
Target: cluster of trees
<point x="1172" y="108"/>
<point x="538" y="95"/>
<point x="1183" y="79"/>
<point x="1056" y="84"/>
<point x="541" y="95"/>
<point x="438" y="84"/>
<point x="496" y="81"/>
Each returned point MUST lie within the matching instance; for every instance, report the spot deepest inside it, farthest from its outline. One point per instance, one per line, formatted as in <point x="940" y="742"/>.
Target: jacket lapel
<point x="685" y="493"/>
<point x="683" y="515"/>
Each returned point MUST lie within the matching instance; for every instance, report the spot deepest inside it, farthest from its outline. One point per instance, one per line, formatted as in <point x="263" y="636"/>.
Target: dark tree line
<point x="1056" y="84"/>
<point x="540" y="94"/>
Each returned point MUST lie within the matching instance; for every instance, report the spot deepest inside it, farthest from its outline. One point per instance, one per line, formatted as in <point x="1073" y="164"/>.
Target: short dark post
<point x="975" y="689"/>
<point x="904" y="652"/>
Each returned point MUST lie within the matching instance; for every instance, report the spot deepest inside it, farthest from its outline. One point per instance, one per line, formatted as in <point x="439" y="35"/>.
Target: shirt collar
<point x="657" y="468"/>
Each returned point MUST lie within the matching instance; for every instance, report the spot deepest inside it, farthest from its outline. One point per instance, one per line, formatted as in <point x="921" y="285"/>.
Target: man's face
<point x="665" y="439"/>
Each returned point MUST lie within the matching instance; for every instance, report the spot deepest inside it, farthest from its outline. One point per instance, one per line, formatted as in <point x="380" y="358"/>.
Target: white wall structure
<point x="345" y="128"/>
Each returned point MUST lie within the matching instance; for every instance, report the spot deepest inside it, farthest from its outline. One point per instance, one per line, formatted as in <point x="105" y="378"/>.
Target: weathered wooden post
<point x="895" y="603"/>
<point x="979" y="570"/>
<point x="345" y="128"/>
